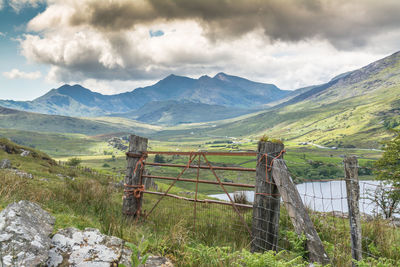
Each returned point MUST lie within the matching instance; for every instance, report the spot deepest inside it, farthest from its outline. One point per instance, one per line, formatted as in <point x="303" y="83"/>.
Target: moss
<point x="265" y="138"/>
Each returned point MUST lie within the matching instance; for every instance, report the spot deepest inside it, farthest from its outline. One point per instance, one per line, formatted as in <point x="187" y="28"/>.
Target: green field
<point x="305" y="162"/>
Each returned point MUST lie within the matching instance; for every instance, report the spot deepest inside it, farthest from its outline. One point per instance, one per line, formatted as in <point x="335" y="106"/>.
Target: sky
<point x="113" y="46"/>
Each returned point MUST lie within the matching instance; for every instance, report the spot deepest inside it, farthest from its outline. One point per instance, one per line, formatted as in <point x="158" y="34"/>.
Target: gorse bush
<point x="74" y="162"/>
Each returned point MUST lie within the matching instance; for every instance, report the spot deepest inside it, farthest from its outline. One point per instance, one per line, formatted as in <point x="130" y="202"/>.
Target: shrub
<point x="74" y="162"/>
<point x="240" y="197"/>
<point x="159" y="159"/>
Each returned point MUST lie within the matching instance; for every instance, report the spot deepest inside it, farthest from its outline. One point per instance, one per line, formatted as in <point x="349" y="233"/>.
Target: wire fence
<point x="213" y="224"/>
<point x="325" y="202"/>
<point x="112" y="177"/>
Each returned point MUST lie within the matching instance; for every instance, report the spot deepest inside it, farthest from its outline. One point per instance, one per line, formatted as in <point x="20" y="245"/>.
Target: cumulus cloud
<point x="344" y="23"/>
<point x="17" y="74"/>
<point x="280" y="41"/>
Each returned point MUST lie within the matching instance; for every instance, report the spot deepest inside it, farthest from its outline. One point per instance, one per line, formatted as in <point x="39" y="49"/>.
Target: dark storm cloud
<point x="345" y="23"/>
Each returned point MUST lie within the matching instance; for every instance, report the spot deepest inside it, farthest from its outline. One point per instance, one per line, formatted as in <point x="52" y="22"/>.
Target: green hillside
<point x="20" y="120"/>
<point x="356" y="109"/>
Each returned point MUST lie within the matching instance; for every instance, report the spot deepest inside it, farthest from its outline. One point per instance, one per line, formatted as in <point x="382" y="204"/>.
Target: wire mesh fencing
<point x="326" y="203"/>
<point x="213" y="224"/>
<point x="207" y="219"/>
<point x="311" y="219"/>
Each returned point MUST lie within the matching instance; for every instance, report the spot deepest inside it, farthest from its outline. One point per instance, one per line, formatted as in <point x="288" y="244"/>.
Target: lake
<point x="327" y="196"/>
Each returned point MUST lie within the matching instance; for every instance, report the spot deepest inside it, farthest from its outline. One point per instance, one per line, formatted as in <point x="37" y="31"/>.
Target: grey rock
<point x="24" y="234"/>
<point x="117" y="143"/>
<point x="25" y="230"/>
<point x="73" y="247"/>
<point x="156" y="261"/>
<point x="70" y="178"/>
<point x="62" y="177"/>
<point x="25" y="153"/>
<point x="5" y="164"/>
<point x="22" y="174"/>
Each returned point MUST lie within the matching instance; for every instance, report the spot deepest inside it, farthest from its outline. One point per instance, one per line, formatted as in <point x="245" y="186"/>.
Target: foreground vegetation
<point x="92" y="201"/>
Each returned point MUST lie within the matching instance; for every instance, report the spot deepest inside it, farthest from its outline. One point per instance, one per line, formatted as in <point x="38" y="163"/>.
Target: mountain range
<point x="168" y="101"/>
<point x="354" y="109"/>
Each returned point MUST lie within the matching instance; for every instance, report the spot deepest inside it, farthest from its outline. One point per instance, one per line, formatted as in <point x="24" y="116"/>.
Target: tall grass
<point x="171" y="230"/>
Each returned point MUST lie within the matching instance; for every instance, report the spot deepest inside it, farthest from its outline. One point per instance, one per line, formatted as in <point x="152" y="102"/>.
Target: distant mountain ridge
<point x="220" y="90"/>
<point x="172" y="112"/>
<point x="354" y="109"/>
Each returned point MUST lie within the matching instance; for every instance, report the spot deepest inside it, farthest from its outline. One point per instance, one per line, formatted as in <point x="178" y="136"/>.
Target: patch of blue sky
<point x="156" y="33"/>
<point x="12" y="27"/>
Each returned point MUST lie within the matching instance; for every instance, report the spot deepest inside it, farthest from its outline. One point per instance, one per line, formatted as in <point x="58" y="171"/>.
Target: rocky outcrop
<point x="22" y="174"/>
<point x="5" y="164"/>
<point x="155" y="261"/>
<point x="72" y="247"/>
<point x="117" y="143"/>
<point x="25" y="153"/>
<point x="24" y="235"/>
<point x="25" y="230"/>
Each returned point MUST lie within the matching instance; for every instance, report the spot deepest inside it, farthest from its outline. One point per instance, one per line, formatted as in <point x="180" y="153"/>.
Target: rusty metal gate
<point x="145" y="208"/>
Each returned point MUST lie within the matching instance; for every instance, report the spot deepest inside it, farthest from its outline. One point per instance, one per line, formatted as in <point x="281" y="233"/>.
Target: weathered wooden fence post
<point x="132" y="200"/>
<point x="353" y="196"/>
<point x="298" y="213"/>
<point x="266" y="206"/>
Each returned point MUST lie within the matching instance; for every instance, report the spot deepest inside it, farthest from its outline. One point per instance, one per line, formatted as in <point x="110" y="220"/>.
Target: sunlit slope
<point x="350" y="111"/>
<point x="20" y="120"/>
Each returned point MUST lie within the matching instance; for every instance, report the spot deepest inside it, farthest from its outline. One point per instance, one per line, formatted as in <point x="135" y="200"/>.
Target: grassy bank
<point x="217" y="238"/>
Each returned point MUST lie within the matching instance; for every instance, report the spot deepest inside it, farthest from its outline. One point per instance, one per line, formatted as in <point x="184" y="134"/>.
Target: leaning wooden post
<point x="353" y="196"/>
<point x="298" y="213"/>
<point x="266" y="206"/>
<point x="132" y="200"/>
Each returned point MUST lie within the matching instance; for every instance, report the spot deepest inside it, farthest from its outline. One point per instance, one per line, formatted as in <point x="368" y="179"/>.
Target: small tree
<point x="388" y="170"/>
<point x="388" y="167"/>
<point x="159" y="158"/>
<point x="383" y="199"/>
<point x="74" y="162"/>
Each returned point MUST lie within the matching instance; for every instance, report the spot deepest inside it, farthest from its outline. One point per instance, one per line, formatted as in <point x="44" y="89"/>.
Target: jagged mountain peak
<point x="222" y="76"/>
<point x="222" y="90"/>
